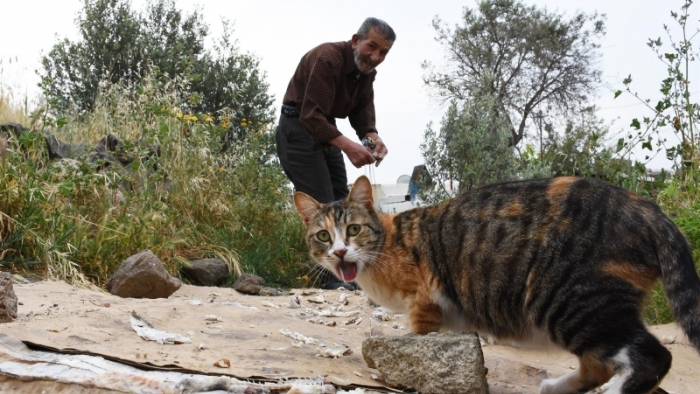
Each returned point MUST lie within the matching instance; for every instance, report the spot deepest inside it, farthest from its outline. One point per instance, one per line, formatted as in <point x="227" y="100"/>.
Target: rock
<point x="249" y="284"/>
<point x="15" y="128"/>
<point x="207" y="272"/>
<point x="142" y="276"/>
<point x="8" y="299"/>
<point x="271" y="292"/>
<point x="433" y="363"/>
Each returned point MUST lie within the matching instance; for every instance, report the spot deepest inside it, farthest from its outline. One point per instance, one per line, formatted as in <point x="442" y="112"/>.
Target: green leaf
<point x="660" y="106"/>
<point x="670" y="56"/>
<point x="636" y="124"/>
<point x="618" y="93"/>
<point x="66" y="187"/>
<point x="62" y="121"/>
<point x="646" y="145"/>
<point x="26" y="139"/>
<point x="620" y="145"/>
<point x="627" y="80"/>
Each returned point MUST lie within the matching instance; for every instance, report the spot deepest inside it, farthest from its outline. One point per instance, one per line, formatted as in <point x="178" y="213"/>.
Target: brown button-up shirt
<point x="326" y="85"/>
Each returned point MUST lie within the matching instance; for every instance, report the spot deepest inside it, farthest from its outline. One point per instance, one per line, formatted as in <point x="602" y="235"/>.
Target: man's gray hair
<point x="379" y="26"/>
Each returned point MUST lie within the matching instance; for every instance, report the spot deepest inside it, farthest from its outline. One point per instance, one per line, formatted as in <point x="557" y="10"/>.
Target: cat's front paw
<point x="559" y="385"/>
<point x="613" y="386"/>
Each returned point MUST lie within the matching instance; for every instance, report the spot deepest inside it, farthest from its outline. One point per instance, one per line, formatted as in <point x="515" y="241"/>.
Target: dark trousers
<point x="321" y="173"/>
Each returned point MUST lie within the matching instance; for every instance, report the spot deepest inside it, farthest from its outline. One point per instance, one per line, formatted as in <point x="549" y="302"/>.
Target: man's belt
<point x="290" y="110"/>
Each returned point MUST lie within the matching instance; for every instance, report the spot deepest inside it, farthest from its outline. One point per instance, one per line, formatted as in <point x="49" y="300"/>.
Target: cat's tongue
<point x="348" y="271"/>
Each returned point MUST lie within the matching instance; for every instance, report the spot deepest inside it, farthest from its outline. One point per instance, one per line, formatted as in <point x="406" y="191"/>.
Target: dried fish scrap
<point x="146" y="331"/>
<point x="298" y="337"/>
<point x="319" y="299"/>
<point x="381" y="315"/>
<point x="331" y="313"/>
<point x="294" y="302"/>
<point x="239" y="305"/>
<point x="353" y="320"/>
<point x="269" y="304"/>
<point x="332" y="353"/>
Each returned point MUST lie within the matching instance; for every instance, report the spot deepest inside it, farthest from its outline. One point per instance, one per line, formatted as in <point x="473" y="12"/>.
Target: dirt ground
<point x="311" y="334"/>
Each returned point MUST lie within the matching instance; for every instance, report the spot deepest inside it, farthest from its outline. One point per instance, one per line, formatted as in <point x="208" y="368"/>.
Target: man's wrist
<point x="341" y="142"/>
<point x="372" y="134"/>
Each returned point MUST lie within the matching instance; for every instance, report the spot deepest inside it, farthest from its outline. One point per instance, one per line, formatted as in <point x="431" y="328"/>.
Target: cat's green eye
<point x="323" y="236"/>
<point x="353" y="229"/>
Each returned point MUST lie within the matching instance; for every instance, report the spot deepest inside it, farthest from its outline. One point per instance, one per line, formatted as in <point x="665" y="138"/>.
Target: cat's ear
<point x="362" y="192"/>
<point x="307" y="206"/>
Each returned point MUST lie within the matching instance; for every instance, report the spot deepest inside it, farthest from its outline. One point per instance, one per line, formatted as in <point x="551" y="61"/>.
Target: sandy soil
<point x="256" y="335"/>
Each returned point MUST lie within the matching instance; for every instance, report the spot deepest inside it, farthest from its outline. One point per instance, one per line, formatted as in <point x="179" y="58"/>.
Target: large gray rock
<point x="432" y="364"/>
<point x="142" y="276"/>
<point x="207" y="272"/>
<point x="8" y="299"/>
<point x="249" y="284"/>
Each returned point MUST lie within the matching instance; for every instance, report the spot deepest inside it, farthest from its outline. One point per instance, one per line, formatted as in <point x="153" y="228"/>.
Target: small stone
<point x="8" y="299"/>
<point x="249" y="284"/>
<point x="142" y="276"/>
<point x="271" y="292"/>
<point x="440" y="363"/>
<point x="207" y="272"/>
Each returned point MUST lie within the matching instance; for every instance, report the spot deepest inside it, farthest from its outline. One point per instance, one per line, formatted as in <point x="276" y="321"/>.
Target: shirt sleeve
<point x="318" y="103"/>
<point x="362" y="119"/>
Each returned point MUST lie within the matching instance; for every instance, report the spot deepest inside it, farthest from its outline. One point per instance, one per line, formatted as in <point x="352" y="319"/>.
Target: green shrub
<point x="65" y="220"/>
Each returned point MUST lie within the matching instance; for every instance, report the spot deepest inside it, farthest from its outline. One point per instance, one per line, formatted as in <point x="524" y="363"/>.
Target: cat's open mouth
<point x="346" y="271"/>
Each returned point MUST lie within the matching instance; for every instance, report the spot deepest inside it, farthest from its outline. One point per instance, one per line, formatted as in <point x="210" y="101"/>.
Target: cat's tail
<point x="681" y="280"/>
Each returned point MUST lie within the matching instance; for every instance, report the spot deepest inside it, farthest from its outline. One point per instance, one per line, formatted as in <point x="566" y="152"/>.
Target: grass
<point x="62" y="219"/>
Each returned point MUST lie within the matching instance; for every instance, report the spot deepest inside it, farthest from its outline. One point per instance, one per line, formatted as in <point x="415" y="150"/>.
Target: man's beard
<point x="356" y="56"/>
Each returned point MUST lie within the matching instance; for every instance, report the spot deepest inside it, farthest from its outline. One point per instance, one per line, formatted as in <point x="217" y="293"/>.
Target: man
<point x="333" y="80"/>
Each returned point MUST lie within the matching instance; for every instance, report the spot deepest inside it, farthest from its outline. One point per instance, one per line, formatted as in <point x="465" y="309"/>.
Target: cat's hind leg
<point x="636" y="368"/>
<point x="641" y="366"/>
<point x="591" y="373"/>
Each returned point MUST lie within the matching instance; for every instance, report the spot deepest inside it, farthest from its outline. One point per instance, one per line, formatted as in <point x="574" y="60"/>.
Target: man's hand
<point x="358" y="154"/>
<point x="380" y="149"/>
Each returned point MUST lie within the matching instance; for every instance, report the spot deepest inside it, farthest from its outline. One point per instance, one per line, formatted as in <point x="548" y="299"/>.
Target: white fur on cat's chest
<point x="383" y="298"/>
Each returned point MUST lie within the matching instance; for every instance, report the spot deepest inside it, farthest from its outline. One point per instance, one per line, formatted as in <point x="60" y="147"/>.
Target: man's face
<point x="370" y="52"/>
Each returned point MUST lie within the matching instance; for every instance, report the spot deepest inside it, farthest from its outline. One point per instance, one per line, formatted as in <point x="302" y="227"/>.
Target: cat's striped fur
<point x="566" y="259"/>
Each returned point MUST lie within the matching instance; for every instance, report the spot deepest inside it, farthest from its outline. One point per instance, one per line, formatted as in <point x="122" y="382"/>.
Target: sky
<point x="279" y="32"/>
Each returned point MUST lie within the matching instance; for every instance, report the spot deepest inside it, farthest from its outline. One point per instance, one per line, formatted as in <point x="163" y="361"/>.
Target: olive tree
<point x="532" y="59"/>
<point x="120" y="45"/>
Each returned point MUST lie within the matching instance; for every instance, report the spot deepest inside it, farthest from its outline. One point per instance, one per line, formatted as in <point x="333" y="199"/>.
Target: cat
<point x="566" y="259"/>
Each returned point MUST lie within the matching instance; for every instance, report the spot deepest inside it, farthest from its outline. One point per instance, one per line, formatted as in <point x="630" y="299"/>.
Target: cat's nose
<point x="340" y="252"/>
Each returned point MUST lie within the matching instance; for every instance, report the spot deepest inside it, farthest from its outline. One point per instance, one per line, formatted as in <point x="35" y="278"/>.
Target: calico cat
<point x="566" y="259"/>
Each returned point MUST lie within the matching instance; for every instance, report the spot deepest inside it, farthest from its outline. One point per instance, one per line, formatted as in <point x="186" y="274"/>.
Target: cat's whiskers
<point x="314" y="275"/>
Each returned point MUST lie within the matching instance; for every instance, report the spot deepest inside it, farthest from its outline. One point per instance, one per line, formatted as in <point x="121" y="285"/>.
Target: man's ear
<point x="362" y="192"/>
<point x="355" y="41"/>
<point x="307" y="207"/>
